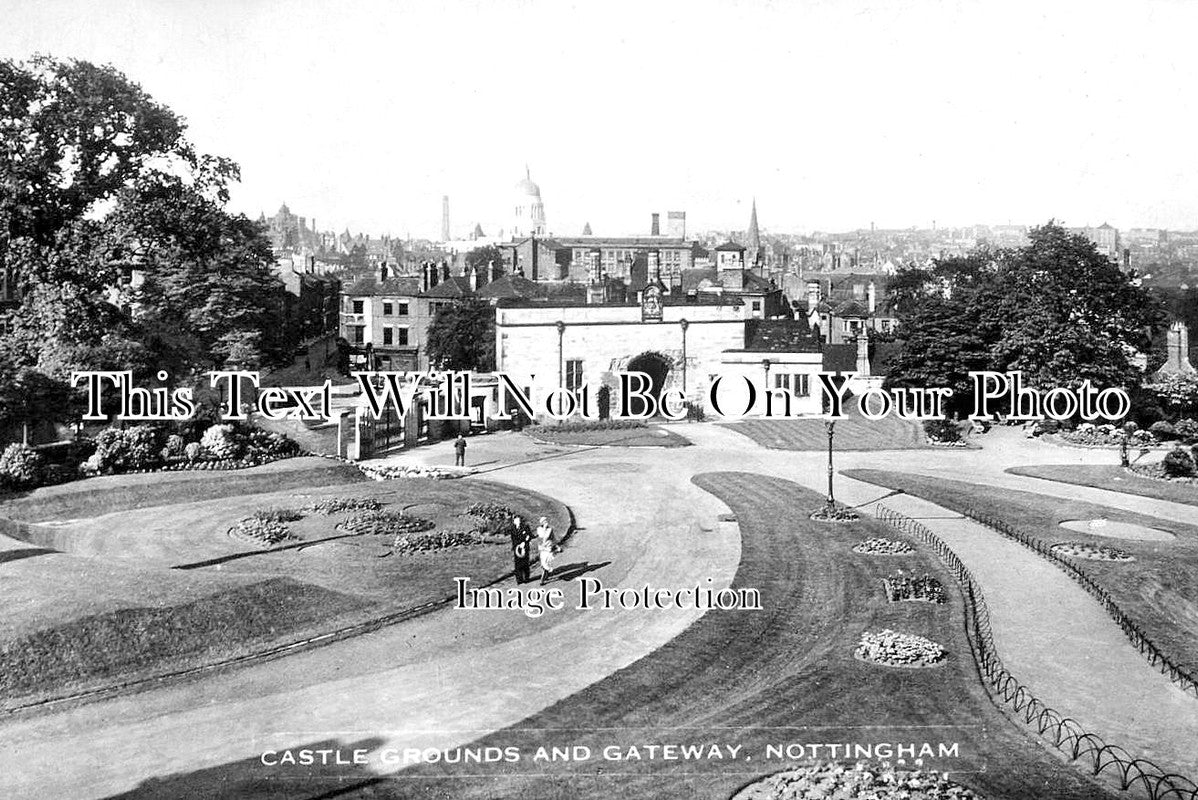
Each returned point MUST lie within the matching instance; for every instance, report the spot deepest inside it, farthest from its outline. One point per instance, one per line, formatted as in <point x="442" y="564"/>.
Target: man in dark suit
<point x="521" y="537"/>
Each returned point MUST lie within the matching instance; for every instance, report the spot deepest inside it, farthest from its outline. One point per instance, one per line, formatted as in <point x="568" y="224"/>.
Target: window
<point x="388" y="336"/>
<point x="756" y="305"/>
<point x="798" y="385"/>
<point x="401" y="335"/>
<point x="388" y="309"/>
<point x="573" y="374"/>
<point x="402" y="308"/>
<point x="357" y="333"/>
<point x="359" y="307"/>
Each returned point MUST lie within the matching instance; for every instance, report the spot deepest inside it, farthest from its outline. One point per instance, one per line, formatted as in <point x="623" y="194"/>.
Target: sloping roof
<point x="840" y="357"/>
<point x="692" y="279"/>
<point x="510" y="286"/>
<point x="371" y="286"/>
<point x="851" y="308"/>
<point x="730" y="247"/>
<point x="781" y="336"/>
<point x="751" y="280"/>
<point x="453" y="286"/>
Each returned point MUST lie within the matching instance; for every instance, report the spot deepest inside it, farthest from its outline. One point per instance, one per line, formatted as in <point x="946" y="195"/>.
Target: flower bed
<point x="904" y="588"/>
<point x="1090" y="435"/>
<point x="337" y="505"/>
<point x="437" y="540"/>
<point x="836" y="513"/>
<point x="490" y="511"/>
<point x="895" y="649"/>
<point x="381" y="473"/>
<point x="881" y="546"/>
<point x="1156" y="472"/>
<point x="389" y="523"/>
<point x="865" y="781"/>
<point x="262" y="530"/>
<point x="1093" y="552"/>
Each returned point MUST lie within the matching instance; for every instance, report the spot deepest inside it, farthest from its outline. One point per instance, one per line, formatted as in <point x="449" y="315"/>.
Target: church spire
<point x="754" y="235"/>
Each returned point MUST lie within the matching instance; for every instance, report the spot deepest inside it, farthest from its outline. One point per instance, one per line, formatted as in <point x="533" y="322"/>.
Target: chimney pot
<point x="655" y="229"/>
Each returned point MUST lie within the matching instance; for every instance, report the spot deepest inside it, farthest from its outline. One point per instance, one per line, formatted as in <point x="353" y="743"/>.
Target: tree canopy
<point x="1056" y="309"/>
<point x="114" y="231"/>
<point x="462" y="336"/>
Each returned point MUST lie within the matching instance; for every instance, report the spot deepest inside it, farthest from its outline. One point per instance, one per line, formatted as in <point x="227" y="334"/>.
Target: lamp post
<point x="830" y="427"/>
<point x="765" y="365"/>
<point x="561" y="334"/>
<point x="684" y="325"/>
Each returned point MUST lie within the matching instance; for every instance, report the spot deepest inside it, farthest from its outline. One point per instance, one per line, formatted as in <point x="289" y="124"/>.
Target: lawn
<point x="854" y="432"/>
<point x="784" y="674"/>
<point x="1114" y="478"/>
<point x="651" y="436"/>
<point x="96" y="597"/>
<point x="1159" y="590"/>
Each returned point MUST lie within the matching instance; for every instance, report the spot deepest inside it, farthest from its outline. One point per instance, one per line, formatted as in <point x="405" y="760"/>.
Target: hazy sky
<point x="832" y="114"/>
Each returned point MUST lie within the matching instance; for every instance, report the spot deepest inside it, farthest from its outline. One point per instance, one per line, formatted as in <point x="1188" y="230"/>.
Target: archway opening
<point x="657" y="367"/>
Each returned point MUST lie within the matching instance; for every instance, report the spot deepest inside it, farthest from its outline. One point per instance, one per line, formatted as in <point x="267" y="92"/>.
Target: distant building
<point x="529" y="211"/>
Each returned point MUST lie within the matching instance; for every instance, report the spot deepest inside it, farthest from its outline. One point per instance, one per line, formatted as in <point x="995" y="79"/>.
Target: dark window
<point x="403" y="309"/>
<point x="388" y="309"/>
<point x="403" y="336"/>
<point x="359" y="307"/>
<point x="573" y="375"/>
<point x="388" y="335"/>
<point x="357" y="333"/>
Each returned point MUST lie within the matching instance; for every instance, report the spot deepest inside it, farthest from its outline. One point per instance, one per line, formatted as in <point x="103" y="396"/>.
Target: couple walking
<point x="522" y="539"/>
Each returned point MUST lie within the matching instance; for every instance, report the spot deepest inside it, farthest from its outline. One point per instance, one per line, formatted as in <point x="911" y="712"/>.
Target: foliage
<point x="436" y="540"/>
<point x="1163" y="430"/>
<point x="490" y="511"/>
<point x="337" y="505"/>
<point x="603" y="402"/>
<point x="389" y="523"/>
<point x="462" y="336"/>
<point x="881" y="546"/>
<point x="267" y="531"/>
<point x="899" y="649"/>
<point x="21" y="466"/>
<point x="1187" y="430"/>
<point x="942" y="430"/>
<point x="192" y="451"/>
<point x="480" y="257"/>
<point x="597" y="425"/>
<point x="132" y="448"/>
<point x="839" y="782"/>
<point x="278" y="515"/>
<point x="901" y="587"/>
<point x="1057" y="310"/>
<point x="222" y="441"/>
<point x="1178" y="464"/>
<point x="102" y="188"/>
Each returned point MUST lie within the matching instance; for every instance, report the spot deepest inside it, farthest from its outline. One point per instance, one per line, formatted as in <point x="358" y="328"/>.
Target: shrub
<point x="1178" y="464"/>
<point x="1163" y="431"/>
<point x="174" y="446"/>
<point x="1187" y="430"/>
<point x="22" y="466"/>
<point x="898" y="649"/>
<point x="490" y="511"/>
<point x="278" y="515"/>
<point x="192" y="451"/>
<point x="129" y="449"/>
<point x="942" y="430"/>
<point x="337" y="505"/>
<point x="597" y="425"/>
<point x="695" y="412"/>
<point x="222" y="442"/>
<point x="267" y="445"/>
<point x="1046" y="426"/>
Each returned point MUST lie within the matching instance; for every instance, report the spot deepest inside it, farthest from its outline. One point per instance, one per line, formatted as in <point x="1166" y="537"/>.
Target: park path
<point x="445" y="679"/>
<point x="1057" y="640"/>
<point x="437" y="681"/>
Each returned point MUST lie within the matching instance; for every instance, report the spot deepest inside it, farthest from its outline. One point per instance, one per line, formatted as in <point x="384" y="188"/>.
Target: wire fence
<point x="1064" y="733"/>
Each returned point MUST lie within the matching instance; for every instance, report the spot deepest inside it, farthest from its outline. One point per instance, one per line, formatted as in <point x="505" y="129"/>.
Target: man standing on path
<point x="459" y="447"/>
<point x="521" y="536"/>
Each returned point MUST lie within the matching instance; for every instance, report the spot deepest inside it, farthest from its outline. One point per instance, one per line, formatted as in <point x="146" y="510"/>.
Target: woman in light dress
<point x="546" y="548"/>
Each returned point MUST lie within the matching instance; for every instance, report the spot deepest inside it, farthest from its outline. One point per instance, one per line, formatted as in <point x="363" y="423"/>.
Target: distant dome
<point x="527" y="188"/>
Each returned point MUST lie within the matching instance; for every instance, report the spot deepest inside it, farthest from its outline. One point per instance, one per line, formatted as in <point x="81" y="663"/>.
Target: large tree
<point x="462" y="336"/>
<point x="98" y="183"/>
<point x="1057" y="310"/>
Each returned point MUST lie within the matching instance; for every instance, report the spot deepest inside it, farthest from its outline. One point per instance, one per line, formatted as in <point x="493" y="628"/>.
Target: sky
<point x="832" y="115"/>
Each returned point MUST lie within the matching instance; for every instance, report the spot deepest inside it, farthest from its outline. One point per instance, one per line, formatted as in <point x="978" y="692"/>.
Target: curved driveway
<point x="444" y="679"/>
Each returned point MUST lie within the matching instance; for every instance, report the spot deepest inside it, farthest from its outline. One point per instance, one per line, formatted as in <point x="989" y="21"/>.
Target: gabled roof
<point x="693" y="279"/>
<point x="730" y="247"/>
<point x="851" y="308"/>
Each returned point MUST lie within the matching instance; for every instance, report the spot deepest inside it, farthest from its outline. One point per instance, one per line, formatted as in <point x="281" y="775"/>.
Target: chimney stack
<point x="491" y="270"/>
<point x="445" y="218"/>
<point x="382" y="272"/>
<point x="444" y="270"/>
<point x="863" y="355"/>
<point x="1127" y="258"/>
<point x="474" y="278"/>
<point x="655" y="228"/>
<point x="425" y="285"/>
<point x="872" y="294"/>
<point x="676" y="224"/>
<point x="654" y="275"/>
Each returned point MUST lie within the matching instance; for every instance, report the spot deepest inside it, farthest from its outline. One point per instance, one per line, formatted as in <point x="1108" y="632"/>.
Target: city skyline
<point x="831" y="117"/>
